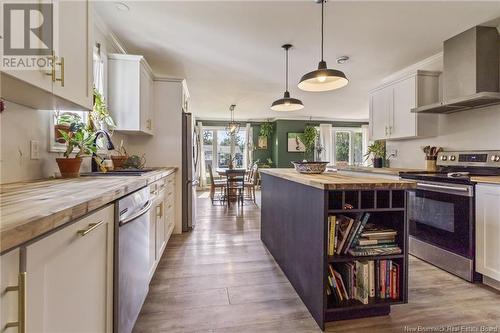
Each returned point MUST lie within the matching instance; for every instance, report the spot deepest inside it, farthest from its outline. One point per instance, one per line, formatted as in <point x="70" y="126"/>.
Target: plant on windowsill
<point x="63" y="124"/>
<point x="80" y="138"/>
<point x="119" y="160"/>
<point x="100" y="118"/>
<point x="377" y="151"/>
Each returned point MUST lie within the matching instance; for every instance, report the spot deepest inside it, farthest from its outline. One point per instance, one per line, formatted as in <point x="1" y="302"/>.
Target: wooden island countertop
<point x="31" y="209"/>
<point x="336" y="181"/>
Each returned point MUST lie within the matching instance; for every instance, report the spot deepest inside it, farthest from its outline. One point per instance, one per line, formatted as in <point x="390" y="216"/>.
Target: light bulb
<point x="322" y="78"/>
<point x="287" y="103"/>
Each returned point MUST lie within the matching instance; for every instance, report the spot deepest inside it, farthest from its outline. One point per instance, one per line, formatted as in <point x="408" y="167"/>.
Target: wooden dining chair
<point x="216" y="184"/>
<point x="235" y="186"/>
<point x="251" y="183"/>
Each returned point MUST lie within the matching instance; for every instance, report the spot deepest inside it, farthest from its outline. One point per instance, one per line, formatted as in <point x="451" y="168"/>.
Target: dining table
<point x="222" y="171"/>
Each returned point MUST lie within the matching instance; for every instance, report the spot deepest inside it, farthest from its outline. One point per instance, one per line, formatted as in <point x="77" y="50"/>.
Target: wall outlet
<point x="34" y="150"/>
<point x="393" y="153"/>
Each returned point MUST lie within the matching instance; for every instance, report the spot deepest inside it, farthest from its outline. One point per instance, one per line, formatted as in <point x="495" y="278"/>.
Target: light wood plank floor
<point x="220" y="278"/>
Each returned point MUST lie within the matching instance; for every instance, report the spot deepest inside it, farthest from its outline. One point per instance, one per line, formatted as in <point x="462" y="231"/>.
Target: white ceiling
<point x="230" y="51"/>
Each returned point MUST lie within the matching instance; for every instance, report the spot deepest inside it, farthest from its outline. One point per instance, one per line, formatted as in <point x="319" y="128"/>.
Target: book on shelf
<point x="344" y="229"/>
<point x="363" y="241"/>
<point x="344" y="232"/>
<point x="373" y="231"/>
<point x="384" y="251"/>
<point x="362" y="281"/>
<point x="371" y="276"/>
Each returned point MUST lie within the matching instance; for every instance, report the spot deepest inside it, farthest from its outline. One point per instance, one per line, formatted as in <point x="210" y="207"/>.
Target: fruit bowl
<point x="310" y="167"/>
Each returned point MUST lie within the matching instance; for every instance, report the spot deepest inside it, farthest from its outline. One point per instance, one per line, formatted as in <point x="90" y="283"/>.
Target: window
<point x="349" y="145"/>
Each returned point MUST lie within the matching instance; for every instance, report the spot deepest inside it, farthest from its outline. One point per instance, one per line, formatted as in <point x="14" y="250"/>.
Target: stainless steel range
<point x="441" y="210"/>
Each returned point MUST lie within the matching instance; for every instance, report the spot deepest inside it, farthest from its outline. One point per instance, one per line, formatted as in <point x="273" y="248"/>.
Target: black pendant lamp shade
<point x="323" y="79"/>
<point x="287" y="103"/>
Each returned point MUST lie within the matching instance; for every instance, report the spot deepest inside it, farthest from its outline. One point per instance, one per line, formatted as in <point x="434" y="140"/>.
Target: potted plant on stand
<point x="377" y="150"/>
<point x="119" y="160"/>
<point x="266" y="130"/>
<point x="81" y="139"/>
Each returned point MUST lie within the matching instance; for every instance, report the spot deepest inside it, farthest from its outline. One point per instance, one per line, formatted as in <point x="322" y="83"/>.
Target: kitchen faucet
<point x="110" y="147"/>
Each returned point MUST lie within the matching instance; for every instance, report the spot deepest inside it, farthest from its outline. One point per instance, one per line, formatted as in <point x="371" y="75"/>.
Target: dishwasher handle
<point x="143" y="211"/>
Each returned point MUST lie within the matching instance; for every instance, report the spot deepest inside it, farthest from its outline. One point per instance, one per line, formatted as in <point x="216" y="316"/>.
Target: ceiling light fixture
<point x="287" y="103"/>
<point x="232" y="127"/>
<point x="323" y="79"/>
<point x="342" y="60"/>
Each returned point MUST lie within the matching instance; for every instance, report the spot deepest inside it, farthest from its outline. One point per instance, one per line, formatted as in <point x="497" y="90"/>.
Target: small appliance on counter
<point x="441" y="210"/>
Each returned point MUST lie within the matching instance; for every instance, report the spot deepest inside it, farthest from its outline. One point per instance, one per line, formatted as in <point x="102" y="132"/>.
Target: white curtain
<point x="326" y="141"/>
<point x="248" y="148"/>
<point x="99" y="79"/>
<point x="201" y="172"/>
<point x="366" y="139"/>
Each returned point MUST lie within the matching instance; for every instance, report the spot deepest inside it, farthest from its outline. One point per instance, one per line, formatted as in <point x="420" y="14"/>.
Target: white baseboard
<point x="491" y="282"/>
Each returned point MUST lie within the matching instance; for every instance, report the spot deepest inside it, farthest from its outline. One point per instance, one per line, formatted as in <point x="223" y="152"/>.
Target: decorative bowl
<point x="310" y="167"/>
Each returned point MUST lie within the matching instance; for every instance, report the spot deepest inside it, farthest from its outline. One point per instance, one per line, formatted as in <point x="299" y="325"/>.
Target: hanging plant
<point x="266" y="129"/>
<point x="309" y="137"/>
<point x="100" y="114"/>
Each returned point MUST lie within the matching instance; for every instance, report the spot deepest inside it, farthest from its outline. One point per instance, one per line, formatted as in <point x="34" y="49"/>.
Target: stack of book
<point x="363" y="280"/>
<point x="344" y="232"/>
<point x="375" y="240"/>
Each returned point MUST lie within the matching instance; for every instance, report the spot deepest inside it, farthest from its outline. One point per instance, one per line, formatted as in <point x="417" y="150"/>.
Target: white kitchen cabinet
<point x="74" y="80"/>
<point x="488" y="230"/>
<point x="130" y="93"/>
<point x="70" y="277"/>
<point x="69" y="86"/>
<point x="9" y="297"/>
<point x="169" y="204"/>
<point x="391" y="105"/>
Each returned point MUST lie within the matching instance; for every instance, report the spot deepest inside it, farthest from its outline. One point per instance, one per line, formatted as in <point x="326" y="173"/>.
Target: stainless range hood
<point x="470" y="72"/>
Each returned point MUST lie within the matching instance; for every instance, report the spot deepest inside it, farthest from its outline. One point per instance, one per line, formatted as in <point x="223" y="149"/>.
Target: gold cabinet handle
<point x="92" y="226"/>
<point x="148" y="126"/>
<point x="52" y="72"/>
<point x="21" y="310"/>
<point x="61" y="64"/>
<point x="160" y="207"/>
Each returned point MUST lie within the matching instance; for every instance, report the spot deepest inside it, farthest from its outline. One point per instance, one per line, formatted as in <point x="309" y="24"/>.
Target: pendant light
<point x="323" y="79"/>
<point x="287" y="103"/>
<point x="232" y="127"/>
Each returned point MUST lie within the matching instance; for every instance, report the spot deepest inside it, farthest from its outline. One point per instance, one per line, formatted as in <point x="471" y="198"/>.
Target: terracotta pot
<point x="58" y="137"/>
<point x="69" y="167"/>
<point x="118" y="161"/>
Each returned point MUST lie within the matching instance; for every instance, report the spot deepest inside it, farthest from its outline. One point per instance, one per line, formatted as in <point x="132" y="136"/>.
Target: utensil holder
<point x="431" y="163"/>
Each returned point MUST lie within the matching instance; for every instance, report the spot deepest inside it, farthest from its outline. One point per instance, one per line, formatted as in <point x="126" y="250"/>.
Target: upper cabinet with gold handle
<point x="92" y="226"/>
<point x="21" y="312"/>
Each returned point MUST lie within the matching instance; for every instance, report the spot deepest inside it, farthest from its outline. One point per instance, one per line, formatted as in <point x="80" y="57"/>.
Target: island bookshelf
<point x="294" y="228"/>
<point x="386" y="207"/>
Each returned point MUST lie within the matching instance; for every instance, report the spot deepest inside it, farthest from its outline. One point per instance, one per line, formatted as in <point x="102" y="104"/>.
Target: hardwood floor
<point x="220" y="278"/>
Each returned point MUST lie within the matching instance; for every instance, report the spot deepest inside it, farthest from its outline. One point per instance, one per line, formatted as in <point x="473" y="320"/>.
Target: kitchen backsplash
<point x="466" y="130"/>
<point x="19" y="125"/>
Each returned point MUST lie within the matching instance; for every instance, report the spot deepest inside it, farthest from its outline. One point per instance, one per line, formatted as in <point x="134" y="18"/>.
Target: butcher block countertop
<point x="31" y="209"/>
<point x="486" y="179"/>
<point x="336" y="181"/>
<point x="382" y="171"/>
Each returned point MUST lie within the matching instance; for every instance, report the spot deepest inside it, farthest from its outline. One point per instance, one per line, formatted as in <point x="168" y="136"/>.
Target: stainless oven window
<point x="437" y="214"/>
<point x="442" y="219"/>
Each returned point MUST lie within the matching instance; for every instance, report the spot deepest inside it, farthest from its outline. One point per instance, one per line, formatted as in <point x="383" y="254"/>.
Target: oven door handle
<point x="138" y="214"/>
<point x="444" y="187"/>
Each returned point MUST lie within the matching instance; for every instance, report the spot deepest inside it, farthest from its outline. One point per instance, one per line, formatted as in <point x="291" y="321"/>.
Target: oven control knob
<point x="444" y="158"/>
<point x="493" y="157"/>
<point x="497" y="158"/>
<point x="452" y="157"/>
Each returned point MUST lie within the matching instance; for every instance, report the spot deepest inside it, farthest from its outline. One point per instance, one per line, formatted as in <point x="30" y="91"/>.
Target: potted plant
<point x="119" y="160"/>
<point x="63" y="124"/>
<point x="377" y="150"/>
<point x="100" y="114"/>
<point x="266" y="130"/>
<point x="309" y="139"/>
<point x="83" y="140"/>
